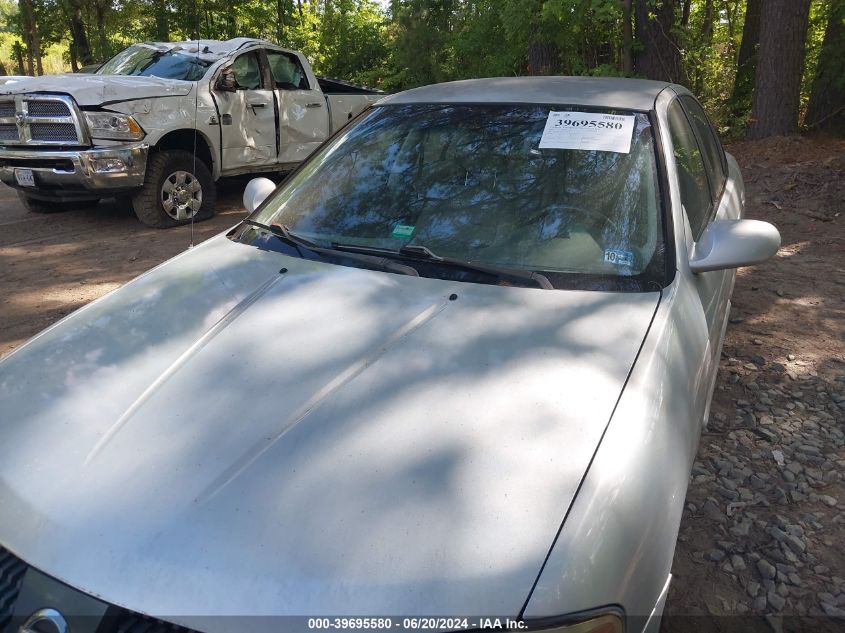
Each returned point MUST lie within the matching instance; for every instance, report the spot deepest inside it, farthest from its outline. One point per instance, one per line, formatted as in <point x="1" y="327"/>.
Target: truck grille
<point x="40" y="119"/>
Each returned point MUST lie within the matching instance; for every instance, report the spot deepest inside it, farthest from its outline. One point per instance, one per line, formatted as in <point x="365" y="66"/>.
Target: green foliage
<point x="408" y="43"/>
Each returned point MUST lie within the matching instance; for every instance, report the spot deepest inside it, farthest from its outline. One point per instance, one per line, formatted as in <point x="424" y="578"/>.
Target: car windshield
<point x="148" y="61"/>
<point x="494" y="184"/>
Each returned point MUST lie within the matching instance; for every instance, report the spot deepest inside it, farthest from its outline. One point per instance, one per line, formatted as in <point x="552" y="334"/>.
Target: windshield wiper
<point x="299" y="243"/>
<point x="423" y="253"/>
<point x="283" y="232"/>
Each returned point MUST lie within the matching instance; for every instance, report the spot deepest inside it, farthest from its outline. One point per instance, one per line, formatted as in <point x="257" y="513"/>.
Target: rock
<point x="795" y="543"/>
<point x="824" y="596"/>
<point x="715" y="555"/>
<point x="752" y="588"/>
<point x="828" y="500"/>
<point x="741" y="529"/>
<point x="775" y="600"/>
<point x="760" y="604"/>
<point x="737" y="562"/>
<point x="766" y="569"/>
<point x="790" y="357"/>
<point x="766" y="434"/>
<point x="834" y="612"/>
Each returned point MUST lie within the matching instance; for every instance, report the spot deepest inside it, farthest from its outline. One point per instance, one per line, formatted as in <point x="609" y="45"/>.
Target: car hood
<point x="219" y="438"/>
<point x="94" y="90"/>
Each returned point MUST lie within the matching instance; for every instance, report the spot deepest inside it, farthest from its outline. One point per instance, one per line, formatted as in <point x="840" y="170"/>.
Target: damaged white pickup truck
<point x="159" y="123"/>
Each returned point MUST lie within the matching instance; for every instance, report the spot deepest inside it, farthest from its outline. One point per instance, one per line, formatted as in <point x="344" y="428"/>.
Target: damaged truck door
<point x="247" y="118"/>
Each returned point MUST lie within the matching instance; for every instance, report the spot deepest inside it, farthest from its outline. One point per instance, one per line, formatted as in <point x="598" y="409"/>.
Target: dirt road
<point x="53" y="264"/>
<point x="764" y="530"/>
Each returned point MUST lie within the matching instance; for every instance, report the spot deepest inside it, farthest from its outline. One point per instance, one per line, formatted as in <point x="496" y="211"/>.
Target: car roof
<point x="212" y="50"/>
<point x="605" y="92"/>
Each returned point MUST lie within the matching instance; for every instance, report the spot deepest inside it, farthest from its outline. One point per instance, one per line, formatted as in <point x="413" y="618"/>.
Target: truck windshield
<point x="151" y="62"/>
<point x="494" y="184"/>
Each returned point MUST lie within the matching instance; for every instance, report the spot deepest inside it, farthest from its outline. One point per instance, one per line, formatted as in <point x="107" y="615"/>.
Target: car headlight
<point x="606" y="623"/>
<point x="114" y="127"/>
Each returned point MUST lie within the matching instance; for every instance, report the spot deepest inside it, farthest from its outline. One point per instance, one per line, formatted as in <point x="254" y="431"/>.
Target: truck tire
<point x="52" y="206"/>
<point x="176" y="187"/>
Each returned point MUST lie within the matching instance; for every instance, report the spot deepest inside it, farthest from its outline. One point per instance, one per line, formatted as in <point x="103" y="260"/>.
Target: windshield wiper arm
<point x="420" y="252"/>
<point x="423" y="252"/>
<point x="285" y="234"/>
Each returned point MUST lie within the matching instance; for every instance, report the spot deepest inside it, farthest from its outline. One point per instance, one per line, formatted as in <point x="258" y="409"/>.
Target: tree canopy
<point x="765" y="66"/>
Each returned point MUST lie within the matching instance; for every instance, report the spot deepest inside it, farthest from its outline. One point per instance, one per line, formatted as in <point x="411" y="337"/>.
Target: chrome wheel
<point x="181" y="195"/>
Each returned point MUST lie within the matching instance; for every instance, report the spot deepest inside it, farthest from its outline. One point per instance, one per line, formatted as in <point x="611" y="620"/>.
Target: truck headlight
<point x="114" y="127"/>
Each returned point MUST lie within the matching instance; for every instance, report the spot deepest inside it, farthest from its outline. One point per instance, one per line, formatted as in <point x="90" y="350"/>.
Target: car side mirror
<point x="226" y="82"/>
<point x="728" y="244"/>
<point x="257" y="190"/>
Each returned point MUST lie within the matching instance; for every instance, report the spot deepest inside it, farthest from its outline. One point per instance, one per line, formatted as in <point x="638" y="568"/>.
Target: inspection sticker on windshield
<point x="403" y="230"/>
<point x="588" y="131"/>
<point x="618" y="257"/>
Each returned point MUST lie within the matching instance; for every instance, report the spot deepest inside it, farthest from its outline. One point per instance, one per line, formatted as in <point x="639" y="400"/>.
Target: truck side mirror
<point x="226" y="82"/>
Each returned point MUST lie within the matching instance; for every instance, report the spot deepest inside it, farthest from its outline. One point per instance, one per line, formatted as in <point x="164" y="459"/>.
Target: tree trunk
<point x="659" y="56"/>
<point x="74" y="65"/>
<point x="627" y="39"/>
<point x="542" y="58"/>
<point x="746" y="63"/>
<point x="280" y="21"/>
<point x="685" y="11"/>
<point x="162" y="29"/>
<point x="28" y="27"/>
<point x="100" y="9"/>
<point x="777" y="89"/>
<point x="706" y="43"/>
<point x="17" y="49"/>
<point x="82" y="47"/>
<point x="827" y="99"/>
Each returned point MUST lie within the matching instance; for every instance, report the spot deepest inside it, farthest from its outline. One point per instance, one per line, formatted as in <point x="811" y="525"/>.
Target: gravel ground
<point x="761" y="544"/>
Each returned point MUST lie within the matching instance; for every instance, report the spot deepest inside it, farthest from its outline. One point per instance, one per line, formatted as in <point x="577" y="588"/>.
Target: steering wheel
<point x="592" y="220"/>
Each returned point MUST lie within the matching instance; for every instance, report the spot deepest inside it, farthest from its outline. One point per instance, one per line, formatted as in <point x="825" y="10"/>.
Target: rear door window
<point x="287" y="71"/>
<point x="711" y="148"/>
<point x="692" y="177"/>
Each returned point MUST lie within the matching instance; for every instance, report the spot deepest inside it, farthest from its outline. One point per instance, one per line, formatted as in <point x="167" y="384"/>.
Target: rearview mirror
<point x="256" y="192"/>
<point x="226" y="82"/>
<point x="734" y="243"/>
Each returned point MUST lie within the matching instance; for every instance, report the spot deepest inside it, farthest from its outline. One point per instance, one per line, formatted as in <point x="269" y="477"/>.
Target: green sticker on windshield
<point x="403" y="230"/>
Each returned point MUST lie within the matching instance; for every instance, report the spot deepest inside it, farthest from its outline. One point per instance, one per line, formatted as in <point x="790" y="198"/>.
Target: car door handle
<point x="257" y="105"/>
<point x="316" y="104"/>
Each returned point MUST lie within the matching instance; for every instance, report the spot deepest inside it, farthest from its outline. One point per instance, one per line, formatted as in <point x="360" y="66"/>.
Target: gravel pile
<point x="767" y="490"/>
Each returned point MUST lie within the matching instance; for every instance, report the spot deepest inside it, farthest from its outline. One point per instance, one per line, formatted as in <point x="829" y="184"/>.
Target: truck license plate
<point x="25" y="177"/>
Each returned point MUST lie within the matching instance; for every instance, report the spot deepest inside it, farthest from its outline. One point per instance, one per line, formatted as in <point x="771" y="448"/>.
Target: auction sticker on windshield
<point x="588" y="131"/>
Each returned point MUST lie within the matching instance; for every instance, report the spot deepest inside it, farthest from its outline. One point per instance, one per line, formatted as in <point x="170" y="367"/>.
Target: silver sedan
<point x="451" y="374"/>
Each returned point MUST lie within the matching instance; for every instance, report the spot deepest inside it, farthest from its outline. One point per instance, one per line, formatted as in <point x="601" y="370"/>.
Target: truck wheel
<point x="53" y="206"/>
<point x="177" y="187"/>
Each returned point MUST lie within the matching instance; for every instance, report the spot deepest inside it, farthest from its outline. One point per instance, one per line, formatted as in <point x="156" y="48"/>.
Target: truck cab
<point x="159" y="123"/>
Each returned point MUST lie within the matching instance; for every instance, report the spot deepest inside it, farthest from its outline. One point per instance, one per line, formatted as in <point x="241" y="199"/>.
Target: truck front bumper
<point x="69" y="174"/>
